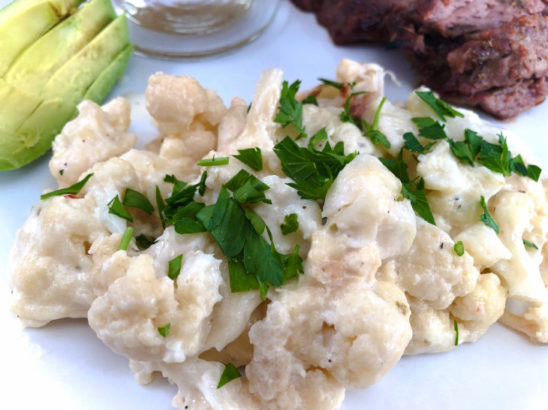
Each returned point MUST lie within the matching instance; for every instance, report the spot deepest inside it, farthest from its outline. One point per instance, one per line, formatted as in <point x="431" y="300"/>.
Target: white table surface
<point x="64" y="366"/>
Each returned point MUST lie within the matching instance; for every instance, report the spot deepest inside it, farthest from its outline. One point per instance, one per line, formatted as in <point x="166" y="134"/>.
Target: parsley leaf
<point x="345" y="115"/>
<point x="456" y="327"/>
<point x="252" y="157"/>
<point x="311" y="99"/>
<point x="312" y="171"/>
<point x="372" y="132"/>
<point x="291" y="110"/>
<point x="495" y="157"/>
<point x="291" y="224"/>
<point x="174" y="267"/>
<point x="293" y="264"/>
<point x="429" y="128"/>
<point x="440" y="107"/>
<point x="486" y="217"/>
<point x="116" y="208"/>
<point x="164" y="330"/>
<point x="211" y="162"/>
<point x="247" y="188"/>
<point x="126" y="238"/>
<point x="459" y="248"/>
<point x="413" y="144"/>
<point x="71" y="190"/>
<point x="529" y="244"/>
<point x="417" y="195"/>
<point x="229" y="373"/>
<point x="137" y="200"/>
<point x="143" y="242"/>
<point x="318" y="137"/>
<point x="414" y="191"/>
<point x="332" y="83"/>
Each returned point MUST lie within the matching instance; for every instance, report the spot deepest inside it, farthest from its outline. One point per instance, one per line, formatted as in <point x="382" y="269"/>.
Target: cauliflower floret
<point x="232" y="125"/>
<point x="483" y="244"/>
<point x="97" y="134"/>
<point x="533" y="322"/>
<point x="50" y="265"/>
<point x="363" y="205"/>
<point x="176" y="102"/>
<point x="337" y="330"/>
<point x="128" y="315"/>
<point x="432" y="271"/>
<point x="434" y="330"/>
<point x="515" y="212"/>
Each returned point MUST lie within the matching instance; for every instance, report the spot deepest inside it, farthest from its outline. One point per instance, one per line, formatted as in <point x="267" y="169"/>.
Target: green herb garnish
<point x="412" y="190"/>
<point x="311" y="99"/>
<point x="143" y="242"/>
<point x="345" y="115"/>
<point x="71" y="190"/>
<point x="486" y="217"/>
<point x="412" y="144"/>
<point x="440" y="107"/>
<point x="229" y="373"/>
<point x="174" y="267"/>
<point x="116" y="208"/>
<point x="164" y="330"/>
<point x="126" y="238"/>
<point x="459" y="248"/>
<point x="291" y="110"/>
<point x="291" y="224"/>
<point x="135" y="199"/>
<point x="311" y="170"/>
<point x="247" y="188"/>
<point x="332" y="83"/>
<point x="252" y="157"/>
<point x="211" y="162"/>
<point x="372" y="132"/>
<point x="429" y="128"/>
<point x="456" y="327"/>
<point x="529" y="244"/>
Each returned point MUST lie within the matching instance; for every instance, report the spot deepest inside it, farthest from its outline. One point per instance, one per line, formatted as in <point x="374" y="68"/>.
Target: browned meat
<point x="487" y="53"/>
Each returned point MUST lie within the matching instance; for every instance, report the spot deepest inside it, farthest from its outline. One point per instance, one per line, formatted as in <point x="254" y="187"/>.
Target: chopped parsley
<point x="311" y="99"/>
<point x="229" y="373"/>
<point x="291" y="110"/>
<point x="495" y="157"/>
<point x="252" y="157"/>
<point x="164" y="330"/>
<point x="486" y="217"/>
<point x="412" y="144"/>
<point x="247" y="188"/>
<point x="116" y="208"/>
<point x="126" y="238"/>
<point x="332" y="83"/>
<point x="529" y="244"/>
<point x="429" y="128"/>
<point x="174" y="267"/>
<point x="135" y="199"/>
<point x="143" y="242"/>
<point x="311" y="170"/>
<point x="211" y="162"/>
<point x="291" y="224"/>
<point x="440" y="107"/>
<point x="412" y="190"/>
<point x="372" y="132"/>
<point x="345" y="115"/>
<point x="61" y="171"/>
<point x="459" y="248"/>
<point x="456" y="327"/>
<point x="71" y="190"/>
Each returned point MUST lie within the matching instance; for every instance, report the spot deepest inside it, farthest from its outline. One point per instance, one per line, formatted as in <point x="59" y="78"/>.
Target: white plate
<point x="64" y="365"/>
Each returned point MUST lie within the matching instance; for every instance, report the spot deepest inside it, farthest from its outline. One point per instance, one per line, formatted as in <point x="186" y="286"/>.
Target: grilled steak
<point x="487" y="53"/>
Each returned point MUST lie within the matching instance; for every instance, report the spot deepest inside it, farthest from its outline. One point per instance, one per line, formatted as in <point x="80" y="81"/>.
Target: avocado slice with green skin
<point x="32" y="69"/>
<point x="24" y="21"/>
<point x="64" y="90"/>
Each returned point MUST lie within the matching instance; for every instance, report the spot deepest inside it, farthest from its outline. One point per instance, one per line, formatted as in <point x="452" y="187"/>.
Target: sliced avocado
<point x="64" y="90"/>
<point x="104" y="83"/>
<point x="32" y="69"/>
<point x="24" y="21"/>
